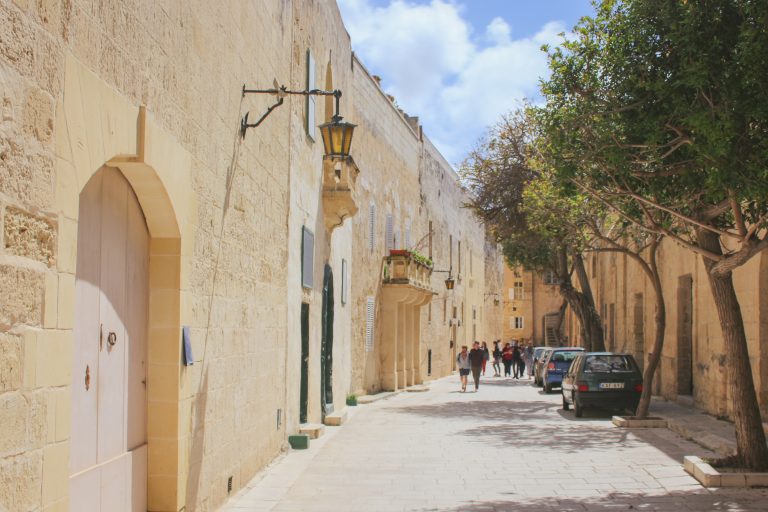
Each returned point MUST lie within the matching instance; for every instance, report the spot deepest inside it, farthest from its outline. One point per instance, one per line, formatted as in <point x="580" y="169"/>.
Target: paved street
<point x="507" y="447"/>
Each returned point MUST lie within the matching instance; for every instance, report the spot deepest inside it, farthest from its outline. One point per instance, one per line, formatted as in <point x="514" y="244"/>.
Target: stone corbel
<point x="339" y="181"/>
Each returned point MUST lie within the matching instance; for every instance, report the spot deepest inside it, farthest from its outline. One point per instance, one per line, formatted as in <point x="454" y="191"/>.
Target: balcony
<point x="339" y="181"/>
<point x="402" y="268"/>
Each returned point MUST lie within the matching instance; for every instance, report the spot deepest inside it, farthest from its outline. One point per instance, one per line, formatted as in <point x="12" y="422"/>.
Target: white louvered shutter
<point x="372" y="227"/>
<point x="370" y="308"/>
<point x="390" y="232"/>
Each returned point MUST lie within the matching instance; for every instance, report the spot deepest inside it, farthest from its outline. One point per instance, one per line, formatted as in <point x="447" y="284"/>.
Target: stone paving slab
<point x="507" y="447"/>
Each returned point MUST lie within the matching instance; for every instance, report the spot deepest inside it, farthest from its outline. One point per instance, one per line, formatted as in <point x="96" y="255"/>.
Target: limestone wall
<point x="692" y="370"/>
<point x="154" y="89"/>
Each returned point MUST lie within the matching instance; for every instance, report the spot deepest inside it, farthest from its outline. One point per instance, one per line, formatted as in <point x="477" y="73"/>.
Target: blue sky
<point x="458" y="64"/>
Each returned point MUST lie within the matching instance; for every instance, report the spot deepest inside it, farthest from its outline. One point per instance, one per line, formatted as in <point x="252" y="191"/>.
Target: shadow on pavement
<point x="490" y="410"/>
<point x="698" y="499"/>
<point x="557" y="438"/>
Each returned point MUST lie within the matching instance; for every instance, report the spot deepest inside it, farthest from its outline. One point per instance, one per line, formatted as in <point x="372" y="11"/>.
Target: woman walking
<point x="486" y="355"/>
<point x="464" y="365"/>
<point x="506" y="357"/>
<point x="517" y="359"/>
<point x="496" y="359"/>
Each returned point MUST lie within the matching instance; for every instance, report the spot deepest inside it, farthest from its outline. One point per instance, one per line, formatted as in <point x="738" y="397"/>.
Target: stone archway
<point x="96" y="127"/>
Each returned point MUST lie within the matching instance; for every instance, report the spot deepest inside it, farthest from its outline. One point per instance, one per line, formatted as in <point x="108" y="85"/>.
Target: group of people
<point x="516" y="358"/>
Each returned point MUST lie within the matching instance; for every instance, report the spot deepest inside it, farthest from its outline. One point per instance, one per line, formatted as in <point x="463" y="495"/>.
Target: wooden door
<point x="108" y="444"/>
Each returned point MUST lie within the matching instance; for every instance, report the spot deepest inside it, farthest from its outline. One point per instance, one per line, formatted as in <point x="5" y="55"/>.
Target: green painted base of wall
<point x="299" y="442"/>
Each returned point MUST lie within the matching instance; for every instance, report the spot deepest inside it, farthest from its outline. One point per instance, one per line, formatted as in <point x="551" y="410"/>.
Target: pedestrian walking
<point x="528" y="357"/>
<point x="517" y="358"/>
<point x="497" y="358"/>
<point x="506" y="357"/>
<point x="486" y="355"/>
<point x="463" y="364"/>
<point x="476" y="359"/>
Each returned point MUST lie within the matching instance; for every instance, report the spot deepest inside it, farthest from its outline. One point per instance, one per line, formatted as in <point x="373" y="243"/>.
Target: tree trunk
<point x="582" y="303"/>
<point x="652" y="270"/>
<point x="752" y="451"/>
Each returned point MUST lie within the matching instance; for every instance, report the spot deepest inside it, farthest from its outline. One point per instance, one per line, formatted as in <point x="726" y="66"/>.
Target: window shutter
<point x="372" y="227"/>
<point x="311" y="121"/>
<point x="370" y="308"/>
<point x="307" y="257"/>
<point x="390" y="232"/>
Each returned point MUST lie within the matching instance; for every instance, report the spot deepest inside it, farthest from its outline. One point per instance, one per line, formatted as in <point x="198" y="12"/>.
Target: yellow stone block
<point x="51" y="301"/>
<point x="161" y="493"/>
<point x="63" y="413"/>
<point x="29" y="378"/>
<point x="67" y="189"/>
<point x="164" y="271"/>
<point x="66" y="303"/>
<point x="66" y="257"/>
<point x="54" y="356"/>
<point x="61" y="505"/>
<point x="162" y="420"/>
<point x="55" y="472"/>
<point x="165" y="246"/>
<point x="162" y="456"/>
<point x="164" y="345"/>
<point x="163" y="382"/>
<point x="164" y="308"/>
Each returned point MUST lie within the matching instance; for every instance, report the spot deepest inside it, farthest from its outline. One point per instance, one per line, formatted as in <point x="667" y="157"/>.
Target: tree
<point x="497" y="174"/>
<point x="657" y="107"/>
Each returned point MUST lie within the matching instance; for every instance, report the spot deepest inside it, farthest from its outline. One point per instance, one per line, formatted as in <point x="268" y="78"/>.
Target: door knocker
<point x="111" y="339"/>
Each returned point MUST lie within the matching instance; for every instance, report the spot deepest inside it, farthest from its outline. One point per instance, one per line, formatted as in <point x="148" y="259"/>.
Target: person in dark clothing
<point x="506" y="357"/>
<point x="516" y="360"/>
<point x="476" y="360"/>
<point x="486" y="355"/>
<point x="496" y="359"/>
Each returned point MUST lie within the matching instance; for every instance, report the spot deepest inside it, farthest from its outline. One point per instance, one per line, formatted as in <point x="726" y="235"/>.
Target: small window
<point x="307" y="258"/>
<point x="517" y="322"/>
<point x="550" y="278"/>
<point x="370" y="309"/>
<point x="518" y="292"/>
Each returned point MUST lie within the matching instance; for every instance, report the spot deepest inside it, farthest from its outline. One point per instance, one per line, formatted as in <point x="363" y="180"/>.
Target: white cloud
<point x="438" y="70"/>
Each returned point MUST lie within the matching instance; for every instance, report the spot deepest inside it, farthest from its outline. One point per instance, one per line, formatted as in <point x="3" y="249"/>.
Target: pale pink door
<point x="108" y="454"/>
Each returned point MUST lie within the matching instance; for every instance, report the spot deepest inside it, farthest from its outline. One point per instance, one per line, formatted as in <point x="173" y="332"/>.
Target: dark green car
<point x="603" y="380"/>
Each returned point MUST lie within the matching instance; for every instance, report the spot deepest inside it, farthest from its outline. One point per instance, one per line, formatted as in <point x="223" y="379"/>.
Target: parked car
<point x="556" y="364"/>
<point x="602" y="379"/>
<point x="538" y="359"/>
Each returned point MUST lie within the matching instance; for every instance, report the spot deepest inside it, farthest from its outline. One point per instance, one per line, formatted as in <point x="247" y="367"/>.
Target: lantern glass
<point x="449" y="283"/>
<point x="337" y="137"/>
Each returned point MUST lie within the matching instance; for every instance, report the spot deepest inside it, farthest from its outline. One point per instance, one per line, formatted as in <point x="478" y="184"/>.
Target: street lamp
<point x="337" y="133"/>
<point x="449" y="282"/>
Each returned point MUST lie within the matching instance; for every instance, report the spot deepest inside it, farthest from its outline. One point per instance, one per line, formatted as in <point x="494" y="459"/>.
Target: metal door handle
<point x="87" y="377"/>
<point x="111" y="339"/>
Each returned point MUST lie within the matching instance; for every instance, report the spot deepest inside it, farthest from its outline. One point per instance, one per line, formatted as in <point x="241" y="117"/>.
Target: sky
<point x="458" y="64"/>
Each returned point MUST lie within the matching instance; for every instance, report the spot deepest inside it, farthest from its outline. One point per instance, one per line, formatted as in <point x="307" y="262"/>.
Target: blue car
<point x="556" y="365"/>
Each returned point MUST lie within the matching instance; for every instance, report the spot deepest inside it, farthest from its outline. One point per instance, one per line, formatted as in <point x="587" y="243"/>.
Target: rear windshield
<point x="564" y="356"/>
<point x="608" y="364"/>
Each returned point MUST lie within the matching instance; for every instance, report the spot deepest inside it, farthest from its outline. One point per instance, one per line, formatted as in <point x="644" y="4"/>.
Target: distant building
<point x="532" y="307"/>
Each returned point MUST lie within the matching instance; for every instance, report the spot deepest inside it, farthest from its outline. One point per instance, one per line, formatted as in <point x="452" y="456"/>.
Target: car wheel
<point x="578" y="410"/>
<point x="566" y="405"/>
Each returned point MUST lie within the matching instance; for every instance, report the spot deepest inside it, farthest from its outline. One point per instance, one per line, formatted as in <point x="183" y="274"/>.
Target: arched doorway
<point x="326" y="346"/>
<point x="108" y="450"/>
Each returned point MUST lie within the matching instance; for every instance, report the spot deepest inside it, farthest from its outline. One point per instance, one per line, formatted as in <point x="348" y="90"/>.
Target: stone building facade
<point x="135" y="217"/>
<point x="693" y="364"/>
<point x="531" y="306"/>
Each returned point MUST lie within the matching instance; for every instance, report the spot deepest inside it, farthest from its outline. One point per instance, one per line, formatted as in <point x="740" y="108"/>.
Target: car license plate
<point x="611" y="385"/>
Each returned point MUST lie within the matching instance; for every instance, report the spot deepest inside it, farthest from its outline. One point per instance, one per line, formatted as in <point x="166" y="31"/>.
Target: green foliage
<point x="666" y="100"/>
<point x="420" y="258"/>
